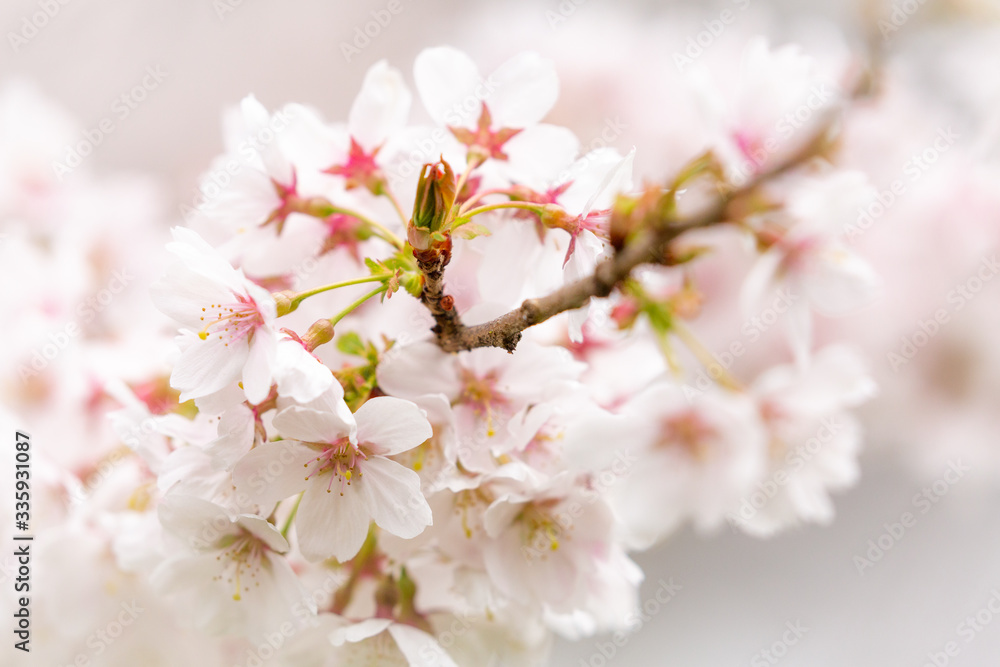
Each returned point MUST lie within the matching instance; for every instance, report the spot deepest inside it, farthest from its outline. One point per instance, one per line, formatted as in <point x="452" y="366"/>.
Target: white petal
<point x="257" y="371"/>
<point x="298" y="374"/>
<point x="392" y="425"/>
<point x="381" y="107"/>
<point x="527" y="87"/>
<point x="760" y="280"/>
<point x="181" y="294"/>
<point x="184" y="573"/>
<point x="540" y="154"/>
<point x="206" y="366"/>
<point x="419" y="648"/>
<point x="273" y="471"/>
<point x="447" y="79"/>
<point x="617" y="179"/>
<point x="330" y="524"/>
<point x="310" y="425"/>
<point x="196" y="520"/>
<point x="392" y="494"/>
<point x="839" y="282"/>
<point x="236" y="435"/>
<point x="418" y="369"/>
<point x="263" y="530"/>
<point x="589" y="175"/>
<point x="357" y="632"/>
<point x="798" y="325"/>
<point x="257" y="120"/>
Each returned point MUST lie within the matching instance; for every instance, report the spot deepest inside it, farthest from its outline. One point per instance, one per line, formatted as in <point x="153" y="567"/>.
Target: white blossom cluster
<point x="302" y="476"/>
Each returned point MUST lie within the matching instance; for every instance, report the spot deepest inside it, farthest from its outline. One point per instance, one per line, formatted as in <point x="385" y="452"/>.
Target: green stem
<point x="479" y="195"/>
<point x="669" y="354"/>
<point x="291" y="517"/>
<point x="321" y="208"/>
<point x="465" y="217"/>
<point x="380" y="229"/>
<point x="298" y="298"/>
<point x="395" y="204"/>
<point x="706" y="358"/>
<point x="463" y="178"/>
<point x="347" y="311"/>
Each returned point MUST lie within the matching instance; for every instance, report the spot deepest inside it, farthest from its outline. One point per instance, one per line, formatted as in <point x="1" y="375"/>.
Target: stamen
<point x="233" y="321"/>
<point x="341" y="459"/>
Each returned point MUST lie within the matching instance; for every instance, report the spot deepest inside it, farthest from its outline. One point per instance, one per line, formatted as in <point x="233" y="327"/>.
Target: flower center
<point x="481" y="395"/>
<point x="690" y="432"/>
<point x="341" y="460"/>
<point x="240" y="557"/>
<point x="798" y="252"/>
<point x="231" y="322"/>
<point x="378" y="650"/>
<point x="474" y="502"/>
<point x="541" y="533"/>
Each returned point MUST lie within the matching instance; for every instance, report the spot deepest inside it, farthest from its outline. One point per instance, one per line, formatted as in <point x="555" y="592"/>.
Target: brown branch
<point x="649" y="245"/>
<point x="431" y="263"/>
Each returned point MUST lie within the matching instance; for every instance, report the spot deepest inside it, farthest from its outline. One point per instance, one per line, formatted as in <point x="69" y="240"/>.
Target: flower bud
<point x="319" y="333"/>
<point x="386" y="597"/>
<point x="436" y="193"/>
<point x="284" y="302"/>
<point x="554" y="216"/>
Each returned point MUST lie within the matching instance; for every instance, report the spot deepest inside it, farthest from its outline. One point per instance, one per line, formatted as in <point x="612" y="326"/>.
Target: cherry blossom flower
<point x="230" y="334"/>
<point x="811" y="260"/>
<point x="701" y="454"/>
<point x="378" y="115"/>
<point x="486" y="388"/>
<point x="546" y="543"/>
<point x="499" y="115"/>
<point x="780" y="97"/>
<point x="344" y="475"/>
<point x="814" y="440"/>
<point x="584" y="189"/>
<point x="230" y="569"/>
<point x="418" y="491"/>
<point x="338" y="642"/>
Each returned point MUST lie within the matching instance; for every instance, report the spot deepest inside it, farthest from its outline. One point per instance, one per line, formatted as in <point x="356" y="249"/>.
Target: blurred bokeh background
<point x="620" y="77"/>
